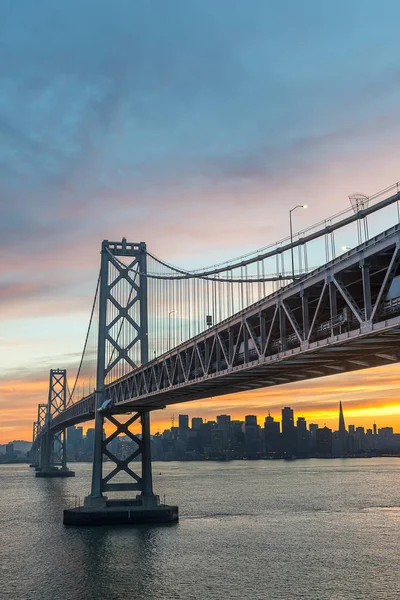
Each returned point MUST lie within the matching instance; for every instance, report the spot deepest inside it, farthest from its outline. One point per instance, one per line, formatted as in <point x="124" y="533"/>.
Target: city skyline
<point x="374" y="397"/>
<point x="260" y="419"/>
<point x="231" y="439"/>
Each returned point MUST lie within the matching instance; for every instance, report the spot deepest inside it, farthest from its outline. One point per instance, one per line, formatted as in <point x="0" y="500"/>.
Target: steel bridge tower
<point x="122" y="304"/>
<point x="52" y="453"/>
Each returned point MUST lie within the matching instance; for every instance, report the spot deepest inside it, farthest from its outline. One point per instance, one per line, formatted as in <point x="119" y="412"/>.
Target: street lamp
<point x="291" y="233"/>
<point x="171" y="312"/>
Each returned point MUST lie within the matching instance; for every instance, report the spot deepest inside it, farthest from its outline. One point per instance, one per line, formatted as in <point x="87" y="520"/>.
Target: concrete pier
<point x="54" y="472"/>
<point x="121" y="512"/>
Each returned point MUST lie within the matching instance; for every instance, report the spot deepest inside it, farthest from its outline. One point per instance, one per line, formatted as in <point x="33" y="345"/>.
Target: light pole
<point x="291" y="233"/>
<point x="171" y="312"/>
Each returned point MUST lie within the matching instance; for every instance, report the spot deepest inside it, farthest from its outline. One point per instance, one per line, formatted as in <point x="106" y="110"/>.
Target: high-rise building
<point x="324" y="441"/>
<point x="289" y="438"/>
<point x="237" y="438"/>
<point x="342" y="445"/>
<point x="223" y="421"/>
<point x="287" y="419"/>
<point x="89" y="442"/>
<point x="205" y="436"/>
<point x="224" y="424"/>
<point x="272" y="436"/>
<point x="303" y="437"/>
<point x="183" y="426"/>
<point x="313" y="436"/>
<point x="183" y="421"/>
<point x="197" y="422"/>
<point x="75" y="442"/>
<point x="217" y="442"/>
<point x="360" y="438"/>
<point x="342" y="426"/>
<point x="301" y="423"/>
<point x="251" y="436"/>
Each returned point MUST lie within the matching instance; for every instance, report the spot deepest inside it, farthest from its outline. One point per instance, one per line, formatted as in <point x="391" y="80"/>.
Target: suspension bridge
<point x="307" y="306"/>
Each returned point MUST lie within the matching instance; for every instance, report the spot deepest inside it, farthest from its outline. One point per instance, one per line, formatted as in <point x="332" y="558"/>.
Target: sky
<point x="193" y="126"/>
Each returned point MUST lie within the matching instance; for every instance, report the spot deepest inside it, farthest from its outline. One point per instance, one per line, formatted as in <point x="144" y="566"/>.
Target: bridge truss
<point x="335" y="319"/>
<point x="342" y="316"/>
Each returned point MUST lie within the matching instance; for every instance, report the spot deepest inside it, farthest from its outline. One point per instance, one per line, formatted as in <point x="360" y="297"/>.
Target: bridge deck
<point x="338" y="318"/>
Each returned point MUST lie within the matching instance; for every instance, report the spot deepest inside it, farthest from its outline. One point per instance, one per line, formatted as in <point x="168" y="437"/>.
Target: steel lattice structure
<point x="334" y="320"/>
<point x="123" y="286"/>
<point x="52" y="444"/>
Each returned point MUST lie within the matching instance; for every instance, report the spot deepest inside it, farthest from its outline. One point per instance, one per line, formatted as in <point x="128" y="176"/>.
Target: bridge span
<point x="335" y="319"/>
<point x="236" y="334"/>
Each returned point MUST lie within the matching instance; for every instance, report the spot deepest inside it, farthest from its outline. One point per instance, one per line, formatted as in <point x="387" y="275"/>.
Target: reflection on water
<point x="248" y="530"/>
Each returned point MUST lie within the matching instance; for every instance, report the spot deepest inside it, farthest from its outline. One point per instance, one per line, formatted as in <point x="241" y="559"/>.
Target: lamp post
<point x="171" y="312"/>
<point x="291" y="233"/>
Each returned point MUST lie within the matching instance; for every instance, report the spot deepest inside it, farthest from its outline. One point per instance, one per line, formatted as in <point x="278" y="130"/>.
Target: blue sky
<point x="190" y="125"/>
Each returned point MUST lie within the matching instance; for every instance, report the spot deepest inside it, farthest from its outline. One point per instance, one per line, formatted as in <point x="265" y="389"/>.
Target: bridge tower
<point x="53" y="449"/>
<point x="34" y="451"/>
<point x="38" y="429"/>
<point x="122" y="307"/>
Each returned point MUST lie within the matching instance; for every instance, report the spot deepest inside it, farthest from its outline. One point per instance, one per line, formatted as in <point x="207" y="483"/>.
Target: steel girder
<point x="336" y="319"/>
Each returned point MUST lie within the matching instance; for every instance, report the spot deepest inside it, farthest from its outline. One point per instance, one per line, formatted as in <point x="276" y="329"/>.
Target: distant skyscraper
<point x="287" y="420"/>
<point x="324" y="441"/>
<point x="251" y="435"/>
<point x="183" y="427"/>
<point x="313" y="435"/>
<point x="224" y="424"/>
<point x="342" y="426"/>
<point x="289" y="437"/>
<point x="272" y="436"/>
<point x="183" y="421"/>
<point x="303" y="437"/>
<point x="197" y="422"/>
<point x="301" y="423"/>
